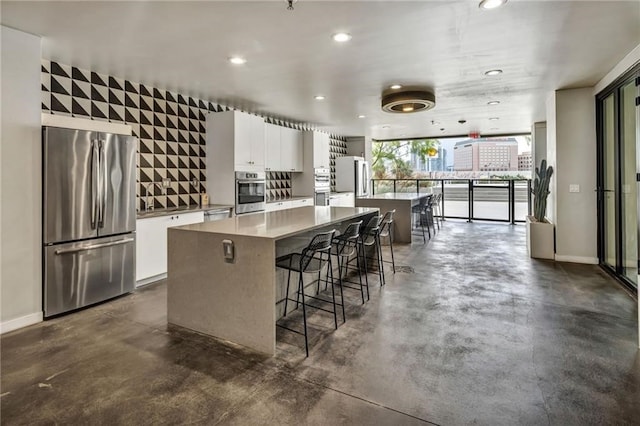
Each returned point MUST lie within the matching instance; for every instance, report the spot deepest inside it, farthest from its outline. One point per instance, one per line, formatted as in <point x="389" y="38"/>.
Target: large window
<point x="481" y="179"/>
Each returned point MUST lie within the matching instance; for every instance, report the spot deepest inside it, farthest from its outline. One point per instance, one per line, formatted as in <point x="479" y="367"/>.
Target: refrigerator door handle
<point x="94" y="246"/>
<point x="103" y="185"/>
<point x="95" y="159"/>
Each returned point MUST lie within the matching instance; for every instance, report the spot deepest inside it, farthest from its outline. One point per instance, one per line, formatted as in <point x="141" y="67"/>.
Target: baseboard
<point x="21" y="322"/>
<point x="150" y="280"/>
<point x="577" y="259"/>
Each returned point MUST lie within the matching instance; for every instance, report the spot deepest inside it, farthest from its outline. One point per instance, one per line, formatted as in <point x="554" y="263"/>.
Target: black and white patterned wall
<point x="170" y="128"/>
<point x="337" y="148"/>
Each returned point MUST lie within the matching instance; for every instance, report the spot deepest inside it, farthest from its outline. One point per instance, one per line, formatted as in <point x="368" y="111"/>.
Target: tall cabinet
<point x="235" y="142"/>
<point x="315" y="156"/>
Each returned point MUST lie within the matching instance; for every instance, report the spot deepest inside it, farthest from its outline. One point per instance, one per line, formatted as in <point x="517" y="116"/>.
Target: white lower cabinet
<point x="151" y="244"/>
<point x="342" y="199"/>
<point x="289" y="204"/>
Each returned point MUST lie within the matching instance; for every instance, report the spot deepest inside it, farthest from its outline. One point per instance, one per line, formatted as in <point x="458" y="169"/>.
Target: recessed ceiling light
<point x="395" y="86"/>
<point x="386" y="127"/>
<point x="494" y="118"/>
<point x="237" y="60"/>
<point x="361" y="116"/>
<point x="493" y="72"/>
<point x="493" y="102"/>
<point x="341" y="37"/>
<point x="407" y="108"/>
<point x="491" y="4"/>
<point x="319" y="98"/>
<point x="442" y="129"/>
<point x="435" y="123"/>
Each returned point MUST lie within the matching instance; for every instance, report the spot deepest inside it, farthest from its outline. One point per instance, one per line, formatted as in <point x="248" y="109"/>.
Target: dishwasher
<point x="217" y="214"/>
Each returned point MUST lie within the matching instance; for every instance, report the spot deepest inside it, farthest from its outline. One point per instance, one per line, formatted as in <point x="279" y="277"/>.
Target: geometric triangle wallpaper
<point x="170" y="128"/>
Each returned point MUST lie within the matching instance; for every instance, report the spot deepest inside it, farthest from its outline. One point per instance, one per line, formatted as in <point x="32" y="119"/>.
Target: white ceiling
<point x="448" y="45"/>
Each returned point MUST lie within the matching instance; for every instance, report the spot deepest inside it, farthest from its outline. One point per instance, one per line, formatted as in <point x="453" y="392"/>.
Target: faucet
<point x="148" y="187"/>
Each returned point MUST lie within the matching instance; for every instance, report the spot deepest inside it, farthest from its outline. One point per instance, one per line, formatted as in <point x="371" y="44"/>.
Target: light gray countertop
<point x="280" y="224"/>
<point x="178" y="210"/>
<point x="402" y="196"/>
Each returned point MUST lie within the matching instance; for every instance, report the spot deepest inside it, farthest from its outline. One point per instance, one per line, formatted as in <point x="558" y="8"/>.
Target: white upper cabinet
<point x="235" y="140"/>
<point x="291" y="150"/>
<point x="249" y="137"/>
<point x="272" y="145"/>
<point x="283" y="149"/>
<point x="319" y="144"/>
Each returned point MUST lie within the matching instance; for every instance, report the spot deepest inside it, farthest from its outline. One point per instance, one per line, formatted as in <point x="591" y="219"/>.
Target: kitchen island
<point x="402" y="202"/>
<point x="232" y="294"/>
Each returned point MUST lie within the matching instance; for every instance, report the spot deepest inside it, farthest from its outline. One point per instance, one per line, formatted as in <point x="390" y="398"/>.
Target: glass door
<point x="608" y="189"/>
<point x="619" y="169"/>
<point x="629" y="191"/>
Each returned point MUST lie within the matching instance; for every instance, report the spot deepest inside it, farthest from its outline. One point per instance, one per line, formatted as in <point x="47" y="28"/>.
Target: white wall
<point x="539" y="148"/>
<point x="620" y="68"/>
<point x="571" y="136"/>
<point x="552" y="213"/>
<point x="20" y="181"/>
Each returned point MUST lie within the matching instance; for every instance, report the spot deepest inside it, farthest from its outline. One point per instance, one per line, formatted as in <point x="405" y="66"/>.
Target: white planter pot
<point x="540" y="239"/>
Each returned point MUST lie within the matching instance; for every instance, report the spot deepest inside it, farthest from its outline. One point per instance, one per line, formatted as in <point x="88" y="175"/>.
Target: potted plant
<point x="540" y="231"/>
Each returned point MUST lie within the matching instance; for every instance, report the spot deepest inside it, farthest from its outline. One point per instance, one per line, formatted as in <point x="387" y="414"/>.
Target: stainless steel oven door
<point x="250" y="195"/>
<point x="322" y="198"/>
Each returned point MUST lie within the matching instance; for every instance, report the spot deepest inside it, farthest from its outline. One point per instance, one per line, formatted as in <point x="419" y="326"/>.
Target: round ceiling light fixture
<point x="395" y="86"/>
<point x="341" y="37"/>
<point x="408" y="100"/>
<point x="491" y="4"/>
<point x="319" y="98"/>
<point x="493" y="102"/>
<point x="493" y="72"/>
<point x="237" y="60"/>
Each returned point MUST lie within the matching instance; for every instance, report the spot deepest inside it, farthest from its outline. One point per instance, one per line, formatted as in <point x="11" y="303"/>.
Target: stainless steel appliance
<point x="352" y="175"/>
<point x="250" y="192"/>
<point x="321" y="186"/>
<point x="217" y="214"/>
<point x="89" y="217"/>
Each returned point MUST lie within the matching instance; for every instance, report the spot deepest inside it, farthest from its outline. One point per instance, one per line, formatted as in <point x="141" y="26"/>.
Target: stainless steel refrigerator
<point x="352" y="175"/>
<point x="89" y="217"/>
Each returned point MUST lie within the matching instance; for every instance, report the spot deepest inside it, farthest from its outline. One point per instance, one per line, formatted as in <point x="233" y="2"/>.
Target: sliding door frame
<point x="615" y="88"/>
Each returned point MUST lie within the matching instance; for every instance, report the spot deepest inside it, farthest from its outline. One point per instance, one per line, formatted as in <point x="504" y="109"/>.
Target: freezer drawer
<point x="82" y="273"/>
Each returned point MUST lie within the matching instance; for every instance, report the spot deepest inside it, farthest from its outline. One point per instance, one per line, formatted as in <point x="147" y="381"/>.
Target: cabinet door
<point x="187" y="218"/>
<point x="257" y="142"/>
<point x="297" y="153"/>
<point x="272" y="136"/>
<point x="320" y="150"/>
<point x="305" y="202"/>
<point x="151" y="247"/>
<point x="292" y="153"/>
<point x="242" y="136"/>
<point x="286" y="145"/>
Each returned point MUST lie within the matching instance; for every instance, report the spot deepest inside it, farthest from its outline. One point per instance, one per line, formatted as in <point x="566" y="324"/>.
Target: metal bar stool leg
<point x="304" y="314"/>
<point x="380" y="262"/>
<point x="286" y="296"/>
<point x="333" y="293"/>
<point x="360" y="273"/>
<point x="393" y="261"/>
<point x="364" y="261"/>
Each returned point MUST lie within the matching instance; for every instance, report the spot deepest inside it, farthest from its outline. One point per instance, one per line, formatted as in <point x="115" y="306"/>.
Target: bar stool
<point x="344" y="247"/>
<point x="370" y="237"/>
<point x="435" y="207"/>
<point x="421" y="211"/>
<point x="386" y="231"/>
<point x="313" y="259"/>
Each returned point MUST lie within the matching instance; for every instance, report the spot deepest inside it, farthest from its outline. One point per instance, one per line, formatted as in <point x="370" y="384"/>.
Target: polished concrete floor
<point x="470" y="331"/>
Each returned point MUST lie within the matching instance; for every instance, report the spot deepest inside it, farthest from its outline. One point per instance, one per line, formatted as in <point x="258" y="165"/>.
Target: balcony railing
<point x="500" y="200"/>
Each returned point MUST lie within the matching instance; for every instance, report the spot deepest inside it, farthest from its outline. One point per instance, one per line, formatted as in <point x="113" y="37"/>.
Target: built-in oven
<point x="250" y="192"/>
<point x="321" y="186"/>
<point x="322" y="197"/>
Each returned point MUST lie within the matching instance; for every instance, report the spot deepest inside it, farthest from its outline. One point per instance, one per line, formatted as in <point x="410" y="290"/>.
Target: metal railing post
<point x="394" y="185"/>
<point x="442" y="199"/>
<point x="512" y="201"/>
<point x="373" y="187"/>
<point x="470" y="185"/>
